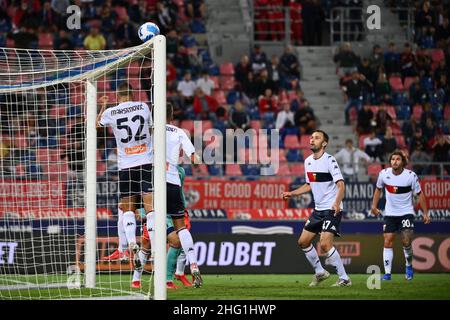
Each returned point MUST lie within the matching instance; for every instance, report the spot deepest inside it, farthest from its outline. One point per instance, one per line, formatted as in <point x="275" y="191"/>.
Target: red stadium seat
<point x="121" y="12"/>
<point x="200" y="171"/>
<point x="215" y="79"/>
<point x="140" y="96"/>
<point x="400" y="141"/>
<point x="396" y="130"/>
<point x="133" y="69"/>
<point x="417" y="112"/>
<point x="58" y="112"/>
<point x="391" y="111"/>
<point x="353" y="115"/>
<point x="104" y="84"/>
<point x="227" y="83"/>
<point x="45" y="41"/>
<point x="188" y="125"/>
<point x="291" y="142"/>
<point x="298" y="169"/>
<point x="408" y="82"/>
<point x="206" y="124"/>
<point x="255" y="124"/>
<point x="219" y="95"/>
<point x="447" y="112"/>
<point x="283" y="169"/>
<point x="437" y="55"/>
<point x="373" y="169"/>
<point x="396" y="83"/>
<point x="227" y="69"/>
<point x="306" y="153"/>
<point x="361" y="141"/>
<point x="233" y="170"/>
<point x="304" y="141"/>
<point x="101" y="168"/>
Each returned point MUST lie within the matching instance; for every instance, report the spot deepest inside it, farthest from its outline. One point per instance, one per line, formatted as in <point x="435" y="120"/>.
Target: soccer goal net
<point x="59" y="177"/>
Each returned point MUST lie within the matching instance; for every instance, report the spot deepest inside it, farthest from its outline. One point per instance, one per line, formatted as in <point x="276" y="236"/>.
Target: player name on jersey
<point x="139" y="107"/>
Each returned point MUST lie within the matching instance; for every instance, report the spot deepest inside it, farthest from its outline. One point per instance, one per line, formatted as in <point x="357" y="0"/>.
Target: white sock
<point x="335" y="260"/>
<point x="181" y="263"/>
<point x="313" y="258"/>
<point x="137" y="274"/>
<point x="408" y="252"/>
<point x="151" y="227"/>
<point x="129" y="225"/>
<point x="123" y="243"/>
<point x="188" y="245"/>
<point x="388" y="256"/>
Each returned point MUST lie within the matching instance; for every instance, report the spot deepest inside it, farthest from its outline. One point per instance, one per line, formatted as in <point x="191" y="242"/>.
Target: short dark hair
<point x="401" y="154"/>
<point x="124" y="90"/>
<point x="325" y="135"/>
<point x="169" y="112"/>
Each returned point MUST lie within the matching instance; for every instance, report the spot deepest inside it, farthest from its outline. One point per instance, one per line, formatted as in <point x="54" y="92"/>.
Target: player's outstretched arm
<point x="195" y="159"/>
<point x="376" y="199"/>
<point x="289" y="194"/>
<point x="423" y="204"/>
<point x="104" y="102"/>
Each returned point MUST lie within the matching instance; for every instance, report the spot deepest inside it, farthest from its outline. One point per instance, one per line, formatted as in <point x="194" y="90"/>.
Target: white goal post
<point x="52" y="89"/>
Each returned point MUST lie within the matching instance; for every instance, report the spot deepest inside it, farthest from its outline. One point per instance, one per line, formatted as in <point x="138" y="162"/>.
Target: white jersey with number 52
<point x="131" y="122"/>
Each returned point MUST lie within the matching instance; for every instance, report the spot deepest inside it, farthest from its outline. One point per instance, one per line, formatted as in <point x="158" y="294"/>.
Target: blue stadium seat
<point x="215" y="170"/>
<point x="187" y="169"/>
<point x="214" y="70"/>
<point x="294" y="155"/>
<point x="189" y="41"/>
<point x="197" y="26"/>
<point x="250" y="169"/>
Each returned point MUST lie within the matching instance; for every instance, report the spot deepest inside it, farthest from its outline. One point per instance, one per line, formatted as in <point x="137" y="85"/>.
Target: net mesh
<point x="43" y="170"/>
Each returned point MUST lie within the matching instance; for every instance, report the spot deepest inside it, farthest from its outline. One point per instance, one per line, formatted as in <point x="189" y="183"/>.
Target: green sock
<point x="172" y="256"/>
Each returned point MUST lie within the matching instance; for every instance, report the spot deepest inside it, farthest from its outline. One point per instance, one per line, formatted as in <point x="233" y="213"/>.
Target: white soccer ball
<point x="147" y="31"/>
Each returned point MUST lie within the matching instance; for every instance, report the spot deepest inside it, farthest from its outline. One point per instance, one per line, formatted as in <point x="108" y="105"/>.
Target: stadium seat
<point x="293" y="155"/>
<point x="408" y="82"/>
<point x="56" y="171"/>
<point x="140" y="96"/>
<point x="304" y="141"/>
<point x="361" y="141"/>
<point x="121" y="12"/>
<point x="447" y="112"/>
<point x="255" y="124"/>
<point x="227" y="83"/>
<point x="283" y="169"/>
<point x="57" y="112"/>
<point x="291" y="142"/>
<point x="373" y="169"/>
<point x="134" y="69"/>
<point x="297" y="169"/>
<point x="353" y="115"/>
<point x="417" y="112"/>
<point x="250" y="169"/>
<point x="188" y="125"/>
<point x="437" y="55"/>
<point x="200" y="171"/>
<point x="216" y="81"/>
<point x="306" y="153"/>
<point x="400" y="141"/>
<point x="227" y="69"/>
<point x="396" y="83"/>
<point x="101" y="168"/>
<point x="219" y="95"/>
<point x="233" y="170"/>
<point x="215" y="170"/>
<point x="207" y="124"/>
<point x="391" y="111"/>
<point x="45" y="41"/>
<point x="213" y="70"/>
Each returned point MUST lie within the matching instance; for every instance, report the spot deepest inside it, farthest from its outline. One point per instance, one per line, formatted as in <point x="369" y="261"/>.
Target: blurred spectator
<point x="418" y="140"/>
<point x="383" y="119"/>
<point x="239" y="118"/>
<point x="126" y="33"/>
<point x="441" y="152"/>
<point x="424" y="20"/>
<point x="108" y="19"/>
<point x="60" y="6"/>
<point x="289" y="64"/>
<point x="204" y="106"/>
<point x="366" y="120"/>
<point x="373" y="147"/>
<point x="429" y="129"/>
<point x="443" y="33"/>
<point x="389" y="144"/>
<point x="49" y="18"/>
<point x="268" y="102"/>
<point x="26" y="38"/>
<point x="238" y="94"/>
<point x="407" y="62"/>
<point x="95" y="40"/>
<point x="274" y="70"/>
<point x="419" y="155"/>
<point x="263" y="83"/>
<point x="356" y="20"/>
<point x="391" y="60"/>
<point x="242" y="69"/>
<point x="63" y="42"/>
<point x="353" y="89"/>
<point x="382" y="90"/>
<point x="368" y="72"/>
<point x="205" y="83"/>
<point x="172" y="42"/>
<point x="249" y="86"/>
<point x="377" y="59"/>
<point x="305" y="119"/>
<point x="186" y="89"/>
<point x="195" y="8"/>
<point x="416" y="93"/>
<point x="285" y="118"/>
<point x="171" y="75"/>
<point x="346" y="60"/>
<point x="165" y="22"/>
<point x="350" y="158"/>
<point x="427" y="113"/>
<point x="258" y="60"/>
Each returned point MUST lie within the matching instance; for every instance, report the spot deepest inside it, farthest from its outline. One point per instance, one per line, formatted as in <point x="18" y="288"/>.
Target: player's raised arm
<point x="301" y="190"/>
<point x="104" y="102"/>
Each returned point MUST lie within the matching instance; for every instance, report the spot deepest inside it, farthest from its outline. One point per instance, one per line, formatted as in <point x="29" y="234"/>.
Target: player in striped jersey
<point x="400" y="185"/>
<point x="324" y="179"/>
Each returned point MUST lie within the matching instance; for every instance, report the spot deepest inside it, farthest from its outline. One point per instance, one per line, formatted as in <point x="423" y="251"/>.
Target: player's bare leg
<point x="129" y="224"/>
<point x="388" y="254"/>
<point x="147" y="199"/>
<point x="305" y="243"/>
<point x="188" y="246"/>
<point x="175" y="248"/>
<point x="408" y="252"/>
<point x="139" y="265"/>
<point x="326" y="244"/>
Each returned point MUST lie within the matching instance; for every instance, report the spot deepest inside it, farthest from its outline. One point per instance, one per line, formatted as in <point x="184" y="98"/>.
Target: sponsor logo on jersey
<point x="319" y="176"/>
<point x="142" y="148"/>
<point x="127" y="110"/>
<point x="398" y="190"/>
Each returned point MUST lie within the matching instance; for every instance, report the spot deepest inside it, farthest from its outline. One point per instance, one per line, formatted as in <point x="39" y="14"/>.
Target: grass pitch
<point x="236" y="287"/>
